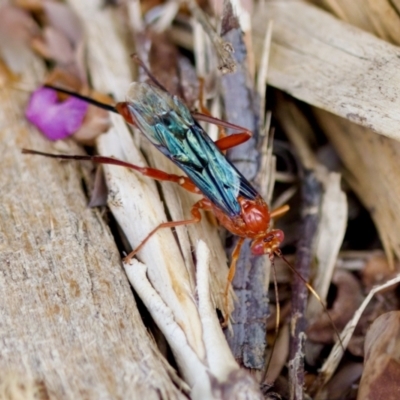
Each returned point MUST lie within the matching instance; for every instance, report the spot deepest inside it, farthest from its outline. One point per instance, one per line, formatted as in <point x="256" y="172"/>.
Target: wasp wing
<point x="168" y="124"/>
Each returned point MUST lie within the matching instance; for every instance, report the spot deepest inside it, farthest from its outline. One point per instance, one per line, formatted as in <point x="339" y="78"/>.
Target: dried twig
<point x="241" y="100"/>
<point x="311" y="196"/>
<point x="223" y="48"/>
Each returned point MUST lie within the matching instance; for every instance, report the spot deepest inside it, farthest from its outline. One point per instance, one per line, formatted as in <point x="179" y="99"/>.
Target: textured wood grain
<point x="242" y="107"/>
<point x="372" y="164"/>
<point x="68" y="317"/>
<point x="380" y="17"/>
<point x="341" y="69"/>
<point x="163" y="281"/>
<point x="332" y="65"/>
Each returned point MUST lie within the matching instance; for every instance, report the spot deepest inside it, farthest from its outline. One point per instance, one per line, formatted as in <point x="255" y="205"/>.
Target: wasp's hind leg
<point x="203" y="204"/>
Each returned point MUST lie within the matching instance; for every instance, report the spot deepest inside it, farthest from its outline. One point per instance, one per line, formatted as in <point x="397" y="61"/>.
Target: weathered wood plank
<point x="332" y="65"/>
<point x="68" y="317"/>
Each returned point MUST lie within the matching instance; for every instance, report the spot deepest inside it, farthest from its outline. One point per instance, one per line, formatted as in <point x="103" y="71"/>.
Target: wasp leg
<point x="196" y="217"/>
<point x="202" y="104"/>
<point x="140" y="62"/>
<point x="231" y="275"/>
<point x="233" y="140"/>
<point x="154" y="173"/>
<point x="226" y="142"/>
<point x="279" y="211"/>
<point x="205" y="114"/>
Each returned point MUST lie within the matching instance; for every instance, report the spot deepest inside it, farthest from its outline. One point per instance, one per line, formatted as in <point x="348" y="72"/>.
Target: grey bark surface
<point x="249" y="318"/>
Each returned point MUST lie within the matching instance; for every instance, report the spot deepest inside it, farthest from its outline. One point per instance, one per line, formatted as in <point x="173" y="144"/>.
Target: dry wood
<point x="333" y="211"/>
<point x="374" y="175"/>
<point x="90" y="330"/>
<point x="164" y="281"/>
<point x="347" y="72"/>
<point x="68" y="316"/>
<point x="371" y="162"/>
<point x="380" y="17"/>
<point x="332" y="65"/>
<point x="371" y="159"/>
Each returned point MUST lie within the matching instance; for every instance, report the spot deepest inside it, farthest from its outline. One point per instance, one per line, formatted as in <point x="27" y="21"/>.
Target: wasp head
<point x="268" y="243"/>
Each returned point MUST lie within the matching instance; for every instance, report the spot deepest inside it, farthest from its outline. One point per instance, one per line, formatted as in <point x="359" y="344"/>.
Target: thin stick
<point x="140" y="62"/>
<point x="311" y="193"/>
<point x="223" y="49"/>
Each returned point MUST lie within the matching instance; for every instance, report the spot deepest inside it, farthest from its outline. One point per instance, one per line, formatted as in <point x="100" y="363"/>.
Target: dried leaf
<point x="96" y="122"/>
<point x="336" y="354"/>
<point x="348" y="299"/>
<point x="59" y="47"/>
<point x="66" y="36"/>
<point x="62" y="18"/>
<point x="381" y="376"/>
<point x="17" y="28"/>
<point x="60" y="77"/>
<point x="163" y="63"/>
<point x="342" y="383"/>
<point x="377" y="270"/>
<point x="99" y="194"/>
<point x="30" y="5"/>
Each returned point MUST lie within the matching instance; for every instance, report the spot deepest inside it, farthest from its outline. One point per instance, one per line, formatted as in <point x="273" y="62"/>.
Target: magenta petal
<point x="57" y="120"/>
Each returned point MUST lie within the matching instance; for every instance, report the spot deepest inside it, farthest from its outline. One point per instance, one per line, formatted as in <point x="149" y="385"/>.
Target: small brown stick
<point x="223" y="49"/>
<point x="311" y="196"/>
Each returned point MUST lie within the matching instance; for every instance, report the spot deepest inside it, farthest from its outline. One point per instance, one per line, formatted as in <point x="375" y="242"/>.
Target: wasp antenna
<point x="89" y="100"/>
<point x="58" y="156"/>
<point x="140" y="62"/>
<point x="314" y="293"/>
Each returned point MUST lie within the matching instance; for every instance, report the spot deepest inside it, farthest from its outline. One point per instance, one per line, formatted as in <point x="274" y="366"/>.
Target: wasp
<point x="175" y="131"/>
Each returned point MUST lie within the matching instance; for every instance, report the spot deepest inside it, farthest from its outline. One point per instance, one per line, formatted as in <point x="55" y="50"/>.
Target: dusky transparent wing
<point x="168" y="124"/>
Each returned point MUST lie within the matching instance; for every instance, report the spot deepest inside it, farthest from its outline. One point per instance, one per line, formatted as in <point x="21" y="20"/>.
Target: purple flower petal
<point x="57" y="120"/>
